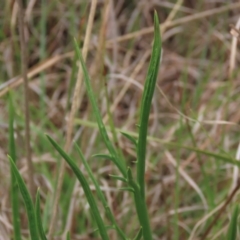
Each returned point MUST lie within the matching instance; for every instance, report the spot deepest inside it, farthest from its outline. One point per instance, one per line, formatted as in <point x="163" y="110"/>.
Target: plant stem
<point x="141" y="207"/>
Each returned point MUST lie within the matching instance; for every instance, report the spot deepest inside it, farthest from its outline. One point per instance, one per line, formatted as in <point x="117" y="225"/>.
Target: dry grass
<point x="195" y="104"/>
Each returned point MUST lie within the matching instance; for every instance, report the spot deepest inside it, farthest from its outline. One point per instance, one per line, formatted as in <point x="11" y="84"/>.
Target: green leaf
<point x="14" y="186"/>
<point x="104" y="156"/>
<point x="28" y="202"/>
<point x="139" y="235"/>
<point x="98" y="189"/>
<point x="232" y="229"/>
<point x="118" y="178"/>
<point x="86" y="188"/>
<point x="101" y="195"/>
<point x="149" y="88"/>
<point x="38" y="217"/>
<point x="118" y="161"/>
<point x="129" y="137"/>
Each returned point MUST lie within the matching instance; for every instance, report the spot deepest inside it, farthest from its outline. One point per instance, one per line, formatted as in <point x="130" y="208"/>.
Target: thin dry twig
<point x="4" y="88"/>
<point x="102" y="35"/>
<point x="26" y="99"/>
<point x="145" y="56"/>
<point x="172" y="14"/>
<point x="127" y="63"/>
<point x="16" y="81"/>
<point x="182" y="20"/>
<point x="70" y="123"/>
<point x="236" y="170"/>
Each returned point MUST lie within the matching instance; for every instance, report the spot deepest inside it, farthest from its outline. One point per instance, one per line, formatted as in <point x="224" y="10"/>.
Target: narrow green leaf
<point x="104" y="156"/>
<point x="14" y="186"/>
<point x="118" y="178"/>
<point x="146" y="104"/>
<point x="86" y="188"/>
<point x="101" y="195"/>
<point x="28" y="202"/>
<point x="119" y="163"/>
<point x="129" y="137"/>
<point x="232" y="229"/>
<point x="139" y="235"/>
<point x="38" y="218"/>
<point x="98" y="189"/>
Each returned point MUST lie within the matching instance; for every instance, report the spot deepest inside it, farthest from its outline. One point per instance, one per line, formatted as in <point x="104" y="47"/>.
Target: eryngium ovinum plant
<point x="135" y="185"/>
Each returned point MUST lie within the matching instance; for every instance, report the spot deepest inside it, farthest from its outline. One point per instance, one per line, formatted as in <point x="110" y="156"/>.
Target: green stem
<point x="141" y="207"/>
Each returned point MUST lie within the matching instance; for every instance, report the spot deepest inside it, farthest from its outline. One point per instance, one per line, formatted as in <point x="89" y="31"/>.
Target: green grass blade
<point x="232" y="229"/>
<point x="104" y="156"/>
<point x="14" y="186"/>
<point x="130" y="138"/>
<point x="86" y="188"/>
<point x="101" y="195"/>
<point x="115" y="177"/>
<point x="139" y="235"/>
<point x="28" y="202"/>
<point x="38" y="218"/>
<point x="119" y="163"/>
<point x="146" y="104"/>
